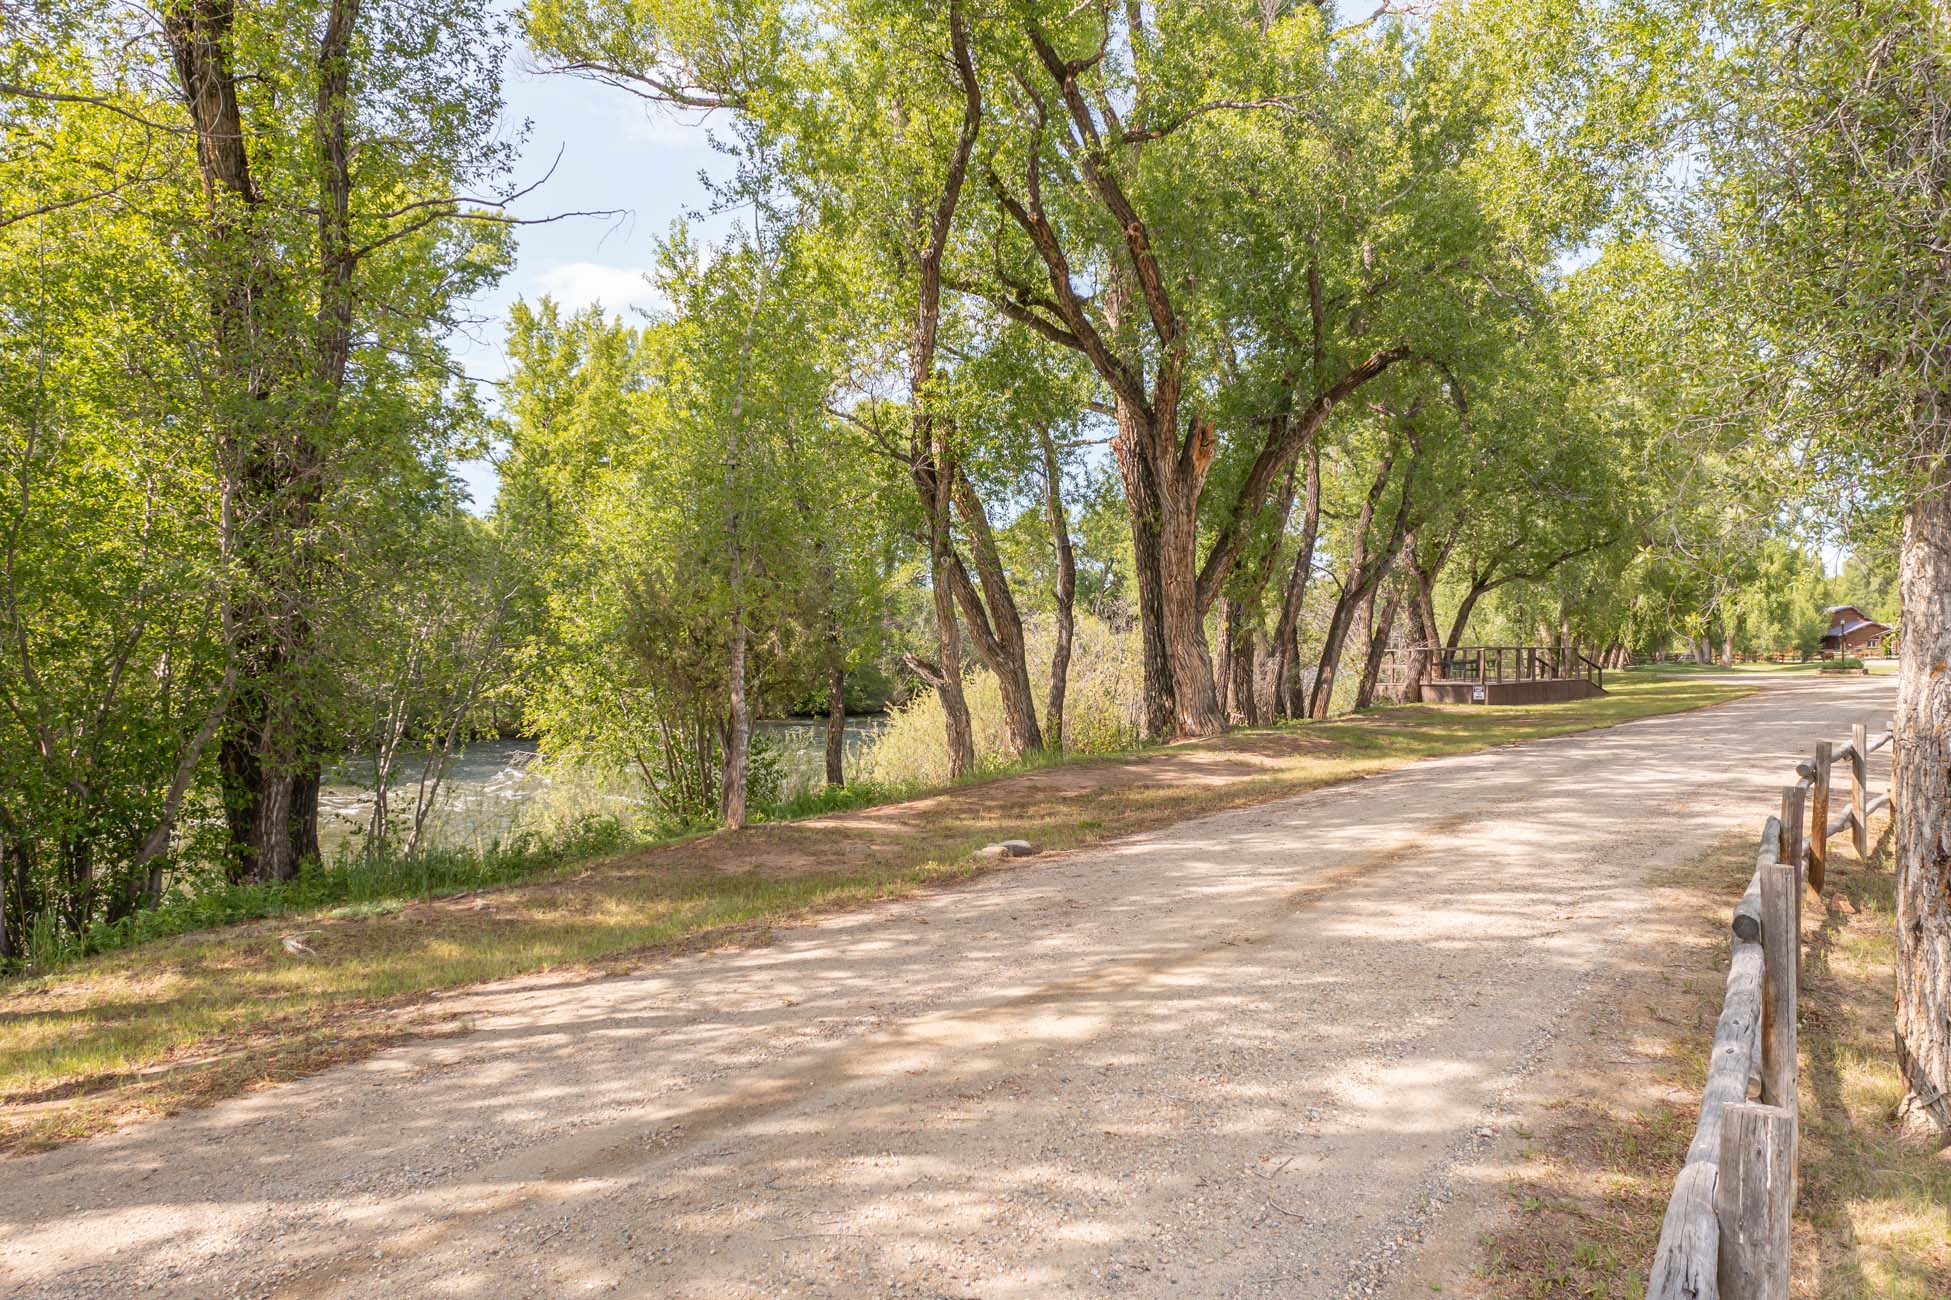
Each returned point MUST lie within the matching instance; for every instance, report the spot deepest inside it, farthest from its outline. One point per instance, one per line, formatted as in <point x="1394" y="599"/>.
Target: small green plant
<point x="369" y="884"/>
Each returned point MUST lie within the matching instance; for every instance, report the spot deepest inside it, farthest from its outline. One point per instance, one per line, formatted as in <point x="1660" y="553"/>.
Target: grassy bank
<point x="155" y="1027"/>
<point x="1873" y="1217"/>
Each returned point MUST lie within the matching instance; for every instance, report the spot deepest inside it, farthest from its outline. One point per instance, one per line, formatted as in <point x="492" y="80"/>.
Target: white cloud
<point x="619" y="288"/>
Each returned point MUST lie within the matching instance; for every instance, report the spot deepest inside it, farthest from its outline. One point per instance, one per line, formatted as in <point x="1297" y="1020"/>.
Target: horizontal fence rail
<point x="1491" y="663"/>
<point x="1726" y="1231"/>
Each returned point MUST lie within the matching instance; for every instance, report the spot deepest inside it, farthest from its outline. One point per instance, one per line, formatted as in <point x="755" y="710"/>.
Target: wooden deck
<point x="1509" y="674"/>
<point x="1540" y="691"/>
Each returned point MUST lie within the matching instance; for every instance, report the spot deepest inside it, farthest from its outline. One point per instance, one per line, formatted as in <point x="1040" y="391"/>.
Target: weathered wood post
<point x="1480" y="665"/>
<point x="1819" y="816"/>
<point x="1780" y="940"/>
<point x="1791" y="832"/>
<point x="1751" y="1201"/>
<point x="1859" y="793"/>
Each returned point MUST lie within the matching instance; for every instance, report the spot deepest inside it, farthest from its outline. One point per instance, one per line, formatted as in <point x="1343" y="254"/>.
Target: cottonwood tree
<point x="1819" y="239"/>
<point x="332" y="232"/>
<point x="1242" y="218"/>
<point x="113" y="677"/>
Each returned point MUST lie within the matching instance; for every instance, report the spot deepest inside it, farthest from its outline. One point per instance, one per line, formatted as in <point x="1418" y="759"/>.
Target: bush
<point x="1101" y="709"/>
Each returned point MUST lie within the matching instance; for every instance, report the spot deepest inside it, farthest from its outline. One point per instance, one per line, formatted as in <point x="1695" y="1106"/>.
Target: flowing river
<point x="498" y="788"/>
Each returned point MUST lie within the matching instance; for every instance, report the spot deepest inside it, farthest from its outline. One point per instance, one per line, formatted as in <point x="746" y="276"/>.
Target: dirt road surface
<point x="1252" y="1055"/>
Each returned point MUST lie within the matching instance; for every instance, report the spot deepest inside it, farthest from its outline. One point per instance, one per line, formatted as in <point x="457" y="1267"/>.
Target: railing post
<point x="1781" y="942"/>
<point x="1859" y="781"/>
<point x="1791" y="838"/>
<point x="1819" y="817"/>
<point x="1752" y="1201"/>
<point x="1480" y="665"/>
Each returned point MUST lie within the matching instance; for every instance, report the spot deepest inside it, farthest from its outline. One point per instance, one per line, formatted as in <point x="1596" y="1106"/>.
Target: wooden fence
<point x="1726" y="1231"/>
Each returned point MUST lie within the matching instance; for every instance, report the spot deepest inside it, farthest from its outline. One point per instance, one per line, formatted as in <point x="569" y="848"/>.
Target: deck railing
<point x="1726" y="1231"/>
<point x="1496" y="663"/>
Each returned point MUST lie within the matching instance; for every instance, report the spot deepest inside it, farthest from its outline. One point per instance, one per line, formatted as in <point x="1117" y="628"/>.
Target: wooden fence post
<point x="1859" y="782"/>
<point x="1751" y="1201"/>
<point x="1780" y="940"/>
<point x="1819" y="817"/>
<point x="1791" y="834"/>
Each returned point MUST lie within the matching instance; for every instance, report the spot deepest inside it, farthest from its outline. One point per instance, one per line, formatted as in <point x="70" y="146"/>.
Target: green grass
<point x="185" y="1018"/>
<point x="1877" y="668"/>
<point x="345" y="886"/>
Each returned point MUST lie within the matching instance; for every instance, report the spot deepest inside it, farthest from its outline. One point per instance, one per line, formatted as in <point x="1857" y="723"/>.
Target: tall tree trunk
<point x="1289" y="697"/>
<point x="1367" y="566"/>
<point x="931" y="460"/>
<point x="1194" y="696"/>
<point x="272" y="462"/>
<point x="1921" y="795"/>
<point x="1423" y="635"/>
<point x="836" y="724"/>
<point x="1066" y="594"/>
<point x="1141" y="498"/>
<point x="1240" y="609"/>
<point x="947" y="678"/>
<point x="1378" y="644"/>
<point x="737" y="748"/>
<point x="994" y="623"/>
<point x="1228" y="614"/>
<point x="1244" y="669"/>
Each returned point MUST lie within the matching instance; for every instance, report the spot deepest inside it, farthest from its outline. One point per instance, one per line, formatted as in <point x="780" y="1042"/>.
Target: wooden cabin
<point x="1852" y="632"/>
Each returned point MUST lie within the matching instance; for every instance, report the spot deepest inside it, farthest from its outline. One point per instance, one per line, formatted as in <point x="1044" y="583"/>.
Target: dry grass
<point x="1873" y="1221"/>
<point x="182" y="1021"/>
<point x="1874" y="1218"/>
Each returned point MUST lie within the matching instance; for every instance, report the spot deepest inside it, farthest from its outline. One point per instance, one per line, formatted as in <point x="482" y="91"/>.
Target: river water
<point x="498" y="788"/>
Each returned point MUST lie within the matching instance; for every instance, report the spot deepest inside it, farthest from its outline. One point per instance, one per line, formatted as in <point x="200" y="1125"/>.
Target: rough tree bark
<point x="1381" y="625"/>
<point x="931" y="463"/>
<point x="1424" y="635"/>
<point x="945" y="675"/>
<point x="273" y="467"/>
<point x="1066" y="594"/>
<point x="994" y="623"/>
<point x="1289" y="698"/>
<point x="1141" y="503"/>
<point x="836" y="724"/>
<point x="1921" y="795"/>
<point x="1367" y="566"/>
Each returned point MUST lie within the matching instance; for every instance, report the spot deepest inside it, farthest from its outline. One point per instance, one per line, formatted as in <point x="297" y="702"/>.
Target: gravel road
<point x="1246" y="1056"/>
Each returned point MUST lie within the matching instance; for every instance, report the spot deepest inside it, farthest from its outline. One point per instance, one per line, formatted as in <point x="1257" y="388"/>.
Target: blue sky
<point x="617" y="152"/>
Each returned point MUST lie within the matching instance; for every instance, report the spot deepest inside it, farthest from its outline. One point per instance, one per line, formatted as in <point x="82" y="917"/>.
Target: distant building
<point x="1852" y="632"/>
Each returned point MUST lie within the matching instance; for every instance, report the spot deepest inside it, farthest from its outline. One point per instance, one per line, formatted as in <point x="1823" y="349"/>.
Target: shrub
<point x="1101" y="709"/>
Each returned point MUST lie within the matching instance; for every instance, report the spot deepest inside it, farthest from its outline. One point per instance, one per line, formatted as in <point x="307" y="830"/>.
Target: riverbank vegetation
<point x="1069" y="376"/>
